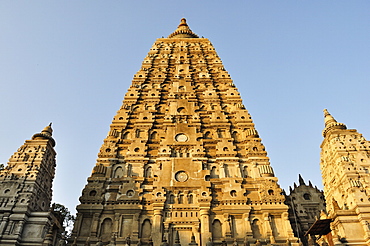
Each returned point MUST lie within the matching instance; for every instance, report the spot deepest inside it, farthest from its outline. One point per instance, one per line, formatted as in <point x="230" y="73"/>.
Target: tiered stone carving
<point x="182" y="162"/>
<point x="345" y="164"/>
<point x="25" y="193"/>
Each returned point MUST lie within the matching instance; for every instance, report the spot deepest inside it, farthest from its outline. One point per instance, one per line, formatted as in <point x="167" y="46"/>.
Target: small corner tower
<point x="345" y="166"/>
<point x="305" y="205"/>
<point x="26" y="192"/>
<point x="182" y="162"/>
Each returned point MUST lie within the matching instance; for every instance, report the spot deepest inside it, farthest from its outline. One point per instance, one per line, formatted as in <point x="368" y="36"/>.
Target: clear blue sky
<point x="71" y="62"/>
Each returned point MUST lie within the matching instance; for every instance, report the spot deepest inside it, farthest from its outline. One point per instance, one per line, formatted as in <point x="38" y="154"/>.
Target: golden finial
<point x="183" y="31"/>
<point x="331" y="123"/>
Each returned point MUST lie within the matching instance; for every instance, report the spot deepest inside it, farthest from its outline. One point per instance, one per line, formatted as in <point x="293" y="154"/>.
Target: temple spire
<point x="301" y="181"/>
<point x="331" y="123"/>
<point x="163" y="125"/>
<point x="183" y="31"/>
<point x="48" y="130"/>
<point x="328" y="118"/>
<point x="46" y="133"/>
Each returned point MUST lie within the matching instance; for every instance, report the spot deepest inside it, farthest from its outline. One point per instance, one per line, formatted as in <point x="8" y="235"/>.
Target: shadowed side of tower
<point x="182" y="161"/>
<point x="26" y="193"/>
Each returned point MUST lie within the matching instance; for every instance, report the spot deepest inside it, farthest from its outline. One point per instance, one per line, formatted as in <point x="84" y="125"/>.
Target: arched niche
<point x="153" y="135"/>
<point x="181" y="110"/>
<point x="226" y="170"/>
<point x="172" y="199"/>
<point x="118" y="172"/>
<point x="216" y="230"/>
<point x="190" y="199"/>
<point x="149" y="172"/>
<point x="180" y="198"/>
<point x="274" y="226"/>
<point x="214" y="173"/>
<point x="233" y="226"/>
<point x="137" y="133"/>
<point x="245" y="171"/>
<point x="106" y="230"/>
<point x="146" y="230"/>
<point x="256" y="229"/>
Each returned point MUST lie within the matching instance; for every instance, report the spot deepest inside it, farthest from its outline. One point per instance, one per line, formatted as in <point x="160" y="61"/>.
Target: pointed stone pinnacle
<point x="192" y="241"/>
<point x="183" y="31"/>
<point x="192" y="238"/>
<point x="328" y="118"/>
<point x="331" y="123"/>
<point x="48" y="130"/>
<point x="46" y="133"/>
<point x="177" y="239"/>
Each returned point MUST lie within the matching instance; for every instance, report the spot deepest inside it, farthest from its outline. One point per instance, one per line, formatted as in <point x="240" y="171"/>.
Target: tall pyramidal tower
<point x="182" y="163"/>
<point x="26" y="192"/>
<point x="345" y="164"/>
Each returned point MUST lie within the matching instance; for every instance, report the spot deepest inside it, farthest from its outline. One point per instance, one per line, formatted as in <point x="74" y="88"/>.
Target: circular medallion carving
<point x="181" y="137"/>
<point x="181" y="176"/>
